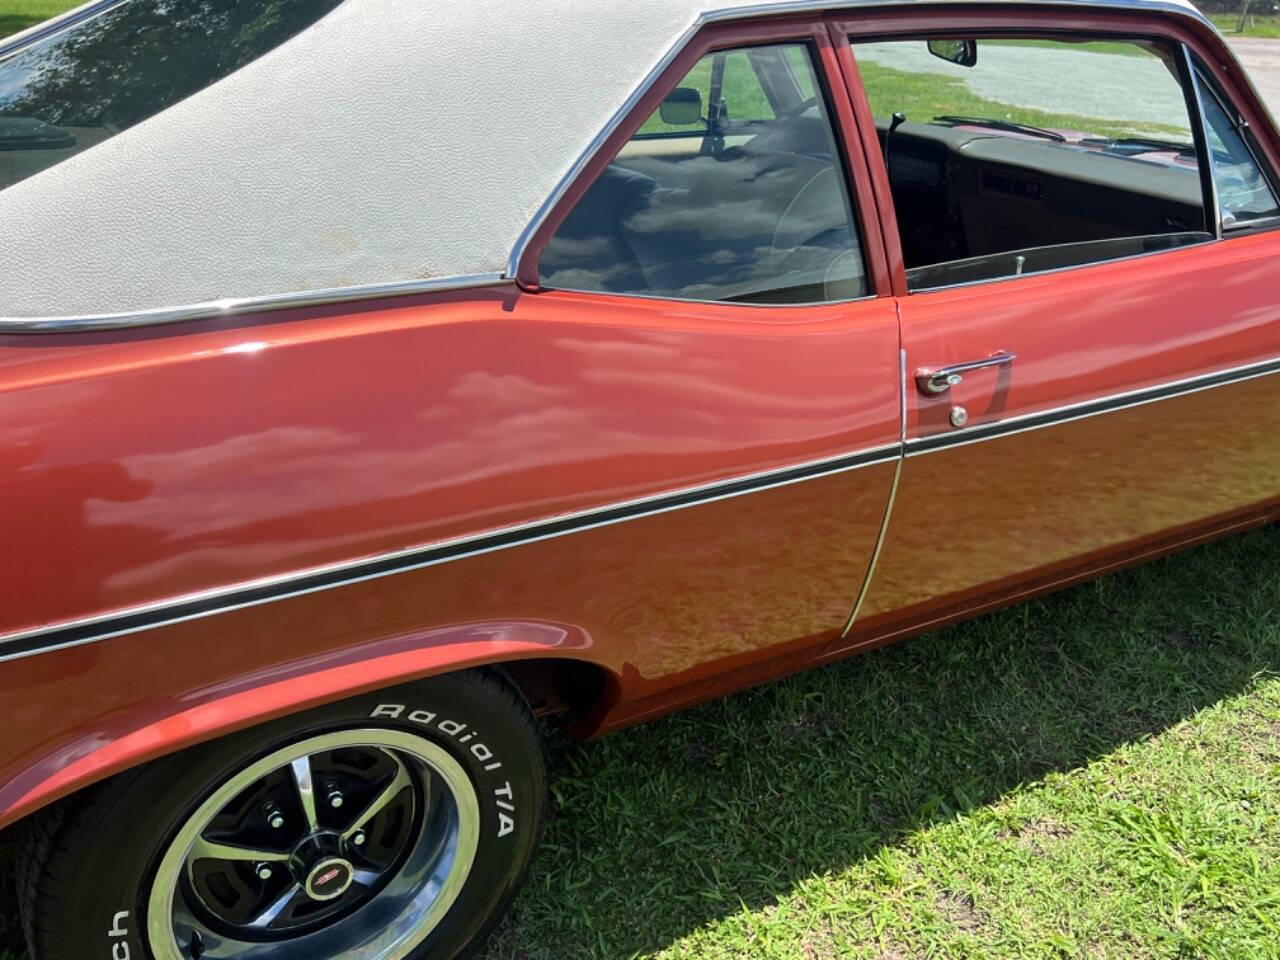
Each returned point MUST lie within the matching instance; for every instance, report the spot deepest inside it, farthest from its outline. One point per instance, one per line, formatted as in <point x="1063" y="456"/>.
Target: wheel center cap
<point x="329" y="879"/>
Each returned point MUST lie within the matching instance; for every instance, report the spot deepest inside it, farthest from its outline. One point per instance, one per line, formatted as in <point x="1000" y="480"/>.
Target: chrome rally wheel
<point x="359" y="840"/>
<point x="394" y="825"/>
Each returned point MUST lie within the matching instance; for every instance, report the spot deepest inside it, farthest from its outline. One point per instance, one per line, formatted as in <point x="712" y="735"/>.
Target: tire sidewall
<point x="136" y="817"/>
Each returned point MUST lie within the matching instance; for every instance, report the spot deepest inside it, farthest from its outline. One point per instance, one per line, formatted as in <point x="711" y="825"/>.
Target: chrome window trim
<point x="232" y="306"/>
<point x="1200" y="131"/>
<point x="792" y="7"/>
<point x="1012" y="278"/>
<point x="238" y="305"/>
<point x="655" y="298"/>
<point x="1244" y="228"/>
<point x="1208" y="185"/>
<point x="19" y="644"/>
<point x="840" y="163"/>
<point x="1210" y="87"/>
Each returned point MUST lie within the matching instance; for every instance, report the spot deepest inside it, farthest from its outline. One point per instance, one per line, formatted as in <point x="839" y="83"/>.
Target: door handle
<point x="935" y="380"/>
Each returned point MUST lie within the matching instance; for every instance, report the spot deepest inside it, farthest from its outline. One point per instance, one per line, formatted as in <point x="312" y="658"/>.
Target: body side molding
<point x="1090" y="408"/>
<point x="236" y="596"/>
<point x="175" y="610"/>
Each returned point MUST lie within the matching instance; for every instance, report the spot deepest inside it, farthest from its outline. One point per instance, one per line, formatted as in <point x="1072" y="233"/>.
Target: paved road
<point x="1262" y="59"/>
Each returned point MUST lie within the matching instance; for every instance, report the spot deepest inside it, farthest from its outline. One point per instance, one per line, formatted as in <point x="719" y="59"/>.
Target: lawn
<point x="1094" y="774"/>
<point x="17" y="15"/>
<point x="1257" y="27"/>
<point x="921" y="95"/>
<point x="1090" y="775"/>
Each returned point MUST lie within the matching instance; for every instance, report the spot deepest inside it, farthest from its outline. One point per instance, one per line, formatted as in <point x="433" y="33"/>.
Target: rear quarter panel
<point x="145" y="465"/>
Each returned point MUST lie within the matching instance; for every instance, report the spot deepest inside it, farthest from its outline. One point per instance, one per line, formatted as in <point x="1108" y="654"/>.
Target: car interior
<point x="756" y="210"/>
<point x="712" y="208"/>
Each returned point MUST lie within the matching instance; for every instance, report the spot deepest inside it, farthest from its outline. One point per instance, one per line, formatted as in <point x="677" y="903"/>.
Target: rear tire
<point x="397" y="824"/>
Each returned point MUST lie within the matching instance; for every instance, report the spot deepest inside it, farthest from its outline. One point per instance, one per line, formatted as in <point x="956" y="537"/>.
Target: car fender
<point x="151" y="729"/>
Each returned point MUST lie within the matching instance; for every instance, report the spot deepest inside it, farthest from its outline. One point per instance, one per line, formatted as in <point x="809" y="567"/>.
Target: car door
<point x="713" y="275"/>
<point x="713" y="284"/>
<point x="1089" y="361"/>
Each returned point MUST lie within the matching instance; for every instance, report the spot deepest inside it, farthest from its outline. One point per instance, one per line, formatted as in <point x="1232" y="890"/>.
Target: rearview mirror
<point x="961" y="52"/>
<point x="683" y="106"/>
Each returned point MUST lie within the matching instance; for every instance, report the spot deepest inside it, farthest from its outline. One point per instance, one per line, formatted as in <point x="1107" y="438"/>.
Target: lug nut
<point x="358" y="838"/>
<point x="263" y="871"/>
<point x="274" y="818"/>
<point x="334" y="795"/>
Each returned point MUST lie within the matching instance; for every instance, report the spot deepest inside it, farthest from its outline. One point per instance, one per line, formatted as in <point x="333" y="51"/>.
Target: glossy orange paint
<point x="1074" y="496"/>
<point x="174" y="461"/>
<point x="1105" y="482"/>
<point x="171" y="461"/>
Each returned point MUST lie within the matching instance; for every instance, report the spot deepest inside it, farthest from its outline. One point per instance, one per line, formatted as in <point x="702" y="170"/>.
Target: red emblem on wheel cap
<point x="328" y="875"/>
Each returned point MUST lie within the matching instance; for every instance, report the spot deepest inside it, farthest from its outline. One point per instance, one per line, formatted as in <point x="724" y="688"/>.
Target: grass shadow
<point x="665" y="828"/>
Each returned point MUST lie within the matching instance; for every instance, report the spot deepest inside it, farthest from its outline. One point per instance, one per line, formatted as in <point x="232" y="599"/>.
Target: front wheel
<point x="393" y="826"/>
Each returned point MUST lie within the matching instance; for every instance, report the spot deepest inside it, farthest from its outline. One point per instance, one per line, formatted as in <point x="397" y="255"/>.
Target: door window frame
<point x="848" y="28"/>
<point x="1207" y="87"/>
<point x="811" y="31"/>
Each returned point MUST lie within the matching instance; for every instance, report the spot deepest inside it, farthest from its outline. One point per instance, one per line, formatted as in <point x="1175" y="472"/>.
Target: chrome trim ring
<point x="387" y="921"/>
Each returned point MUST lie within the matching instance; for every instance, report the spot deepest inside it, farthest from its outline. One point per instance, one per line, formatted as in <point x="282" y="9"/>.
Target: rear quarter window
<point x="66" y="92"/>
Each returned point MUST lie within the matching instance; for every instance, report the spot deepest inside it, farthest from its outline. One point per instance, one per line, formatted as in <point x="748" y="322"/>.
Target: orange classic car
<point x="379" y="377"/>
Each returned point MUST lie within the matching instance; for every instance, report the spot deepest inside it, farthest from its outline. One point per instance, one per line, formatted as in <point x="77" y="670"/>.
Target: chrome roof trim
<point x="234" y="306"/>
<point x="782" y="7"/>
<point x="296" y="583"/>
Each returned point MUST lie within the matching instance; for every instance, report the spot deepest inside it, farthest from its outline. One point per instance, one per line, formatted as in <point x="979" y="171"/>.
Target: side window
<point x="733" y="190"/>
<point x="1017" y="156"/>
<point x="82" y="85"/>
<point x="1244" y="195"/>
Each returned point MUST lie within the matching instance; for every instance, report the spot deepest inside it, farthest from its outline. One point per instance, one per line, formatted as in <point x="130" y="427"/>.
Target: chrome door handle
<point x="933" y="381"/>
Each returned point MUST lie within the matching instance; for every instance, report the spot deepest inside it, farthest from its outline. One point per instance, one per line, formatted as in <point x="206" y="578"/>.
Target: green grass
<point x="17" y="15"/>
<point x="1258" y="27"/>
<point x="920" y="95"/>
<point x="1094" y="774"/>
<point x="1118" y="48"/>
<point x="923" y="96"/>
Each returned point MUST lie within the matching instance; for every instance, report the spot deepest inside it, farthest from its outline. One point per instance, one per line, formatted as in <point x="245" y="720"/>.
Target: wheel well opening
<point x="567" y="689"/>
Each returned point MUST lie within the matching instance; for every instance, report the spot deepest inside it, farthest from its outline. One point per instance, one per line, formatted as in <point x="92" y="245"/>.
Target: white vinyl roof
<point x="393" y="141"/>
